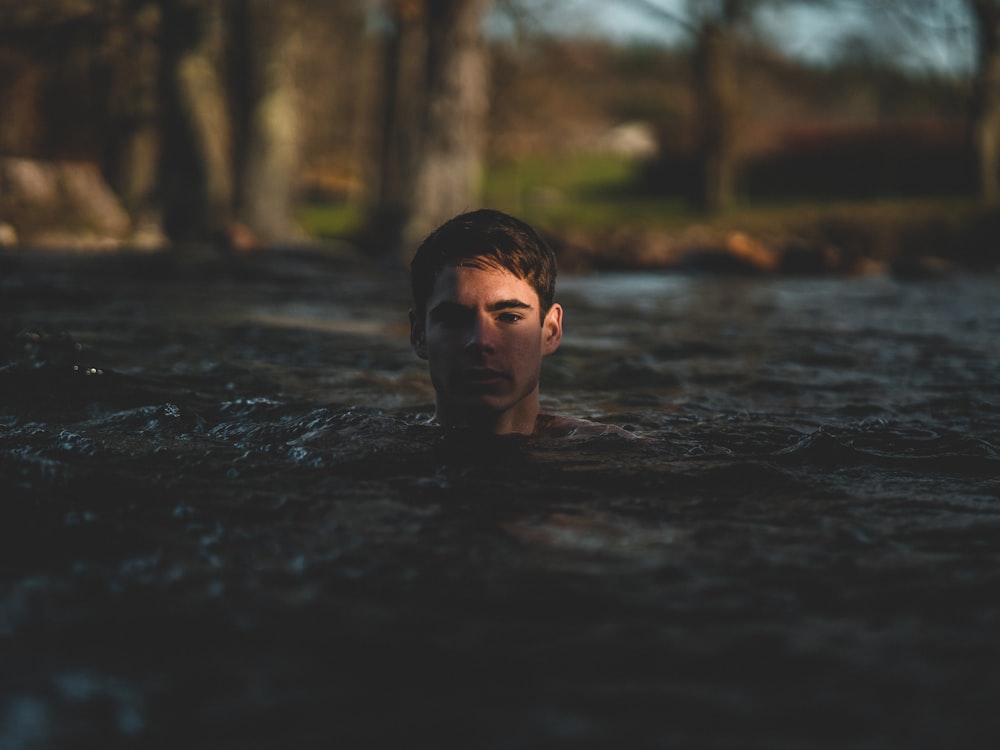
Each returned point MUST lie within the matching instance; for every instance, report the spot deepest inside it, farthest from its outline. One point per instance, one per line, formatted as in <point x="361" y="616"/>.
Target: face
<point x="484" y="340"/>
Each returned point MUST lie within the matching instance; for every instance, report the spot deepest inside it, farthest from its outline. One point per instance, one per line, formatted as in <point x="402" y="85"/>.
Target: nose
<point x="481" y="334"/>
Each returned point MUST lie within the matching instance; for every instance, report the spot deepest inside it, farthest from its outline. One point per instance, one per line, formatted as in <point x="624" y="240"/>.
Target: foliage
<point x="553" y="101"/>
<point x="329" y="220"/>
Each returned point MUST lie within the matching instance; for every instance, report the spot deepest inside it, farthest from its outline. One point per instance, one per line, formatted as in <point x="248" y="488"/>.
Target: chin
<point x="485" y="403"/>
<point x="490" y="394"/>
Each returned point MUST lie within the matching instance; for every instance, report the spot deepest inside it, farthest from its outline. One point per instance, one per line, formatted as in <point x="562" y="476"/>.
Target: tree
<point x="403" y="95"/>
<point x="917" y="25"/>
<point x="437" y="95"/>
<point x="986" y="97"/>
<point x="714" y="26"/>
<point x="231" y="117"/>
<point x="268" y="47"/>
<point x="197" y="162"/>
<point x="133" y="147"/>
<point x="72" y="112"/>
<point x="715" y="77"/>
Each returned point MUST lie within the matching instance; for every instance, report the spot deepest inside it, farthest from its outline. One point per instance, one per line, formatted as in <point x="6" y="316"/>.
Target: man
<point x="483" y="318"/>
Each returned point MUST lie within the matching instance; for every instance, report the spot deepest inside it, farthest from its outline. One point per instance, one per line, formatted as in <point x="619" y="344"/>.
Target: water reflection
<point x="244" y="524"/>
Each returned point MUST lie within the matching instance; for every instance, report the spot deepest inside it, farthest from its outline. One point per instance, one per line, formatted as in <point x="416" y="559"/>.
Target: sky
<point x="940" y="43"/>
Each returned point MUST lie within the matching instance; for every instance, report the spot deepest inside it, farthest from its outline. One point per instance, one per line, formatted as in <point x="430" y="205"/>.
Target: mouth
<point x="484" y="376"/>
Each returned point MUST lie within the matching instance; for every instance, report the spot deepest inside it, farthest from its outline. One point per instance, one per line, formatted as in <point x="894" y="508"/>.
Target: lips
<point x="484" y="376"/>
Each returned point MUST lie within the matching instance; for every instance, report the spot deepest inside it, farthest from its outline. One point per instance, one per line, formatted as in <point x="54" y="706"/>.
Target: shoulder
<point x="553" y="426"/>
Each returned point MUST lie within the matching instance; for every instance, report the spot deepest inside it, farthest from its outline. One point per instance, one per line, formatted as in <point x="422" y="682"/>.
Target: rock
<point x="8" y="235"/>
<point x="805" y="258"/>
<point x="921" y="268"/>
<point x="238" y="238"/>
<point x="52" y="201"/>
<point x="752" y="251"/>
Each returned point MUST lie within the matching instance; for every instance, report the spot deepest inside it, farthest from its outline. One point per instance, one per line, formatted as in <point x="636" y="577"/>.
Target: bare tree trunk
<point x="186" y="118"/>
<point x="135" y="150"/>
<point x="450" y="162"/>
<point x="198" y="160"/>
<point x="269" y="155"/>
<point x="434" y="124"/>
<point x="716" y="89"/>
<point x="404" y="81"/>
<point x="986" y="117"/>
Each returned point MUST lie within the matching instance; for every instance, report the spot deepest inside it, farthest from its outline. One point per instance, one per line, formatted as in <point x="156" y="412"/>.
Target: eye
<point x="509" y="317"/>
<point x="450" y="316"/>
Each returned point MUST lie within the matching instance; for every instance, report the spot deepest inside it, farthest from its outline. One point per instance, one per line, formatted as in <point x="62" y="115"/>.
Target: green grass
<point x="575" y="176"/>
<point x="597" y="192"/>
<point x="329" y="221"/>
<point x="583" y="192"/>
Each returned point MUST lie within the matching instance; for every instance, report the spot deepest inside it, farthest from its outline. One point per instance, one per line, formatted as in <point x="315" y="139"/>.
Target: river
<point x="224" y="523"/>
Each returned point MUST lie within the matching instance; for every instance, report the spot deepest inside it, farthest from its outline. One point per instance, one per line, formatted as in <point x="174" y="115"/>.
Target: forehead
<point x="473" y="285"/>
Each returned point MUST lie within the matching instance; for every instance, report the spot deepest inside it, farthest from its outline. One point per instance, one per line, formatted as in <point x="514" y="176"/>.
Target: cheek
<point x="441" y="340"/>
<point x="527" y="347"/>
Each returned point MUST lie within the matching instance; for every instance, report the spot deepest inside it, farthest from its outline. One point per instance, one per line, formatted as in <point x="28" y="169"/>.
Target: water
<point x="224" y="525"/>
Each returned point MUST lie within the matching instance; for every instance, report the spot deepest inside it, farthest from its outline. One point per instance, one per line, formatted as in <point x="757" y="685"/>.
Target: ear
<point x="418" y="335"/>
<point x="552" y="330"/>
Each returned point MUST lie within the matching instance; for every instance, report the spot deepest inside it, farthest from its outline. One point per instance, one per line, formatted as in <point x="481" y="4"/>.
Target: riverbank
<point x="925" y="238"/>
<point x="904" y="238"/>
<point x="911" y="237"/>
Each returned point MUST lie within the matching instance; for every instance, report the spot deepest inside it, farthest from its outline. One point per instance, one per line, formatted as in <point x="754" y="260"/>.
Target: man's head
<point x="487" y="238"/>
<point x="483" y="318"/>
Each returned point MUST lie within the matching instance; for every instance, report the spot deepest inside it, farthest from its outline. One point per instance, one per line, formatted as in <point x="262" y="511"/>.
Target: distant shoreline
<point x="923" y="241"/>
<point x="930" y="242"/>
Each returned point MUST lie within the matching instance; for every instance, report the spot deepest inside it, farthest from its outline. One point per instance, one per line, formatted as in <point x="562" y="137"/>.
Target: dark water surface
<point x="223" y="525"/>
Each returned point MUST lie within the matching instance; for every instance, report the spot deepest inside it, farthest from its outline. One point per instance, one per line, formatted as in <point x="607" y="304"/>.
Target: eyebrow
<point x="505" y="304"/>
<point x="509" y="304"/>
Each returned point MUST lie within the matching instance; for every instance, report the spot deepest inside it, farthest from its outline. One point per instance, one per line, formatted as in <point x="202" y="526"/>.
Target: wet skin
<point x="484" y="337"/>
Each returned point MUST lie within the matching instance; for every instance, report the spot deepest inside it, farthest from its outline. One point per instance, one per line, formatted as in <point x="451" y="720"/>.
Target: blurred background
<point x="223" y="516"/>
<point x="797" y="135"/>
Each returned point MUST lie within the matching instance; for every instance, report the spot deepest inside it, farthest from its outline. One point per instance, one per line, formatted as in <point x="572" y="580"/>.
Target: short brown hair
<point x="493" y="238"/>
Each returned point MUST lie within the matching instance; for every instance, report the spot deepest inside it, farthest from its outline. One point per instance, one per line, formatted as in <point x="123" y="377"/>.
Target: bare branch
<point x="662" y="13"/>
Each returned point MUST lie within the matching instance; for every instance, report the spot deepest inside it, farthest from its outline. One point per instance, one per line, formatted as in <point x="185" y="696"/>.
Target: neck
<point x="520" y="420"/>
